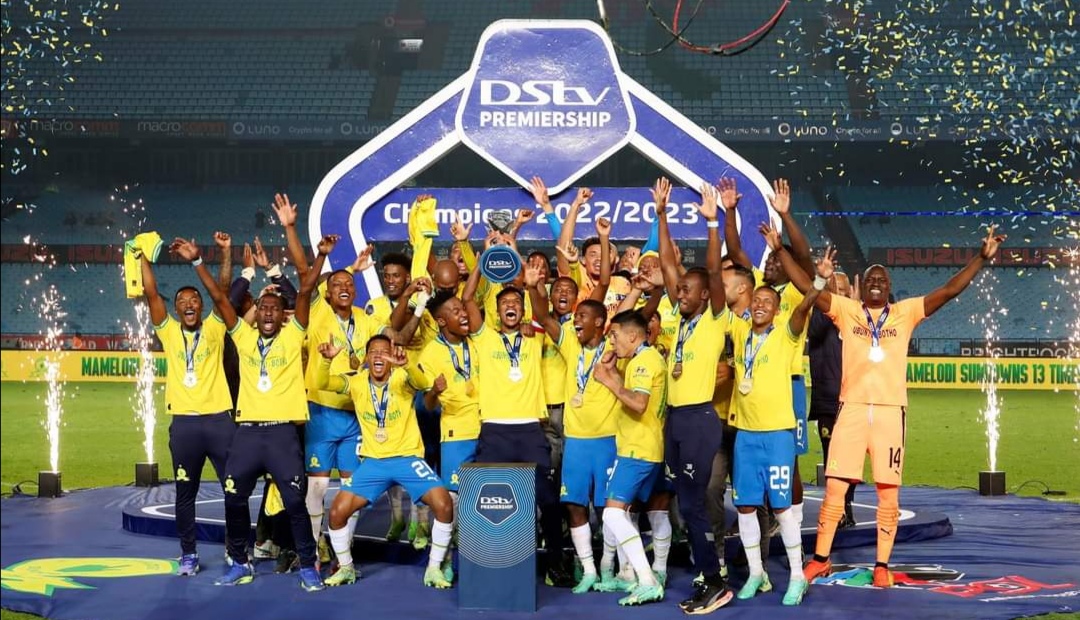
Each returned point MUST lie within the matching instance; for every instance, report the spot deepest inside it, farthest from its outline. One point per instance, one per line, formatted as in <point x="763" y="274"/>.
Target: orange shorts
<point x="861" y="429"/>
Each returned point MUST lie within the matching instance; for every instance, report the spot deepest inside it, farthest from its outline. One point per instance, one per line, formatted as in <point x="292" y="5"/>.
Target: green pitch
<point x="100" y="440"/>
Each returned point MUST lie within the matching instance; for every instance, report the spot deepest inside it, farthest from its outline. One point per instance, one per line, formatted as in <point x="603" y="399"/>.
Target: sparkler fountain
<point x="992" y="481"/>
<point x="49" y="484"/>
<point x="146" y="473"/>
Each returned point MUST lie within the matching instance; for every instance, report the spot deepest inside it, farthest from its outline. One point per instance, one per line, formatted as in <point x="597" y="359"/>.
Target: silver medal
<point x="516" y="374"/>
<point x="264" y="384"/>
<point x="877" y="354"/>
<point x="746" y="385"/>
<point x="190" y="380"/>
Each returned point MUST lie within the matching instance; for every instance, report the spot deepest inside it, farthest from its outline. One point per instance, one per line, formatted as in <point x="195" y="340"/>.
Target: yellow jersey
<point x="596" y="415"/>
<point x="501" y="397"/>
<point x="553" y="369"/>
<point x="790" y="298"/>
<point x="642" y="436"/>
<point x="669" y="325"/>
<point x="768" y="405"/>
<point x="352" y="334"/>
<point x="210" y="392"/>
<point x="271" y="374"/>
<point x="703" y="345"/>
<point x="460" y="417"/>
<point x="399" y="429"/>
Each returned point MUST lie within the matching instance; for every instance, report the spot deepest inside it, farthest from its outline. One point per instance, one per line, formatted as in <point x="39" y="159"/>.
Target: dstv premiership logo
<point x="496" y="502"/>
<point x="553" y="110"/>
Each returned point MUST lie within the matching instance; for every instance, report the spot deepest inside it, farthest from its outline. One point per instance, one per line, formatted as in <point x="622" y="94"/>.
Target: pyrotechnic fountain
<point x="145" y="408"/>
<point x="992" y="481"/>
<point x="49" y="484"/>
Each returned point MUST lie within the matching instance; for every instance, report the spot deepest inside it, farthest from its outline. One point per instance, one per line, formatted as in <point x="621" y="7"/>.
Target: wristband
<point x="421" y="303"/>
<point x="248" y="273"/>
<point x="196" y="262"/>
<point x="820" y="283"/>
<point x="274" y="271"/>
<point x="712" y="224"/>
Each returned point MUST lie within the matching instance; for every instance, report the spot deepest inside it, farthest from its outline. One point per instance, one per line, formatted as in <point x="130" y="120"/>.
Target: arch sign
<point x="543" y="98"/>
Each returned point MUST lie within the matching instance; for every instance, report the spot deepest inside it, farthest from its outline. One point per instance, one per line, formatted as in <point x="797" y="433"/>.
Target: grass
<point x="101" y="441"/>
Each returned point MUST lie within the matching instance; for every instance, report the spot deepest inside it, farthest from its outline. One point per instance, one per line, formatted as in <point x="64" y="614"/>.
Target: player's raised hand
<point x="249" y="259"/>
<point x="707" y="208"/>
<point x="629" y="258"/>
<point x="605" y="371"/>
<point x="826" y="265"/>
<point x="583" y="196"/>
<point x="397" y="356"/>
<point x="327" y="243"/>
<point x="184" y="248"/>
<point x="729" y="195"/>
<point x="223" y="240"/>
<point x="540" y="193"/>
<point x="421" y="198"/>
<point x="991" y="243"/>
<point x="260" y="257"/>
<point x="329" y="350"/>
<point x="285" y="210"/>
<point x="459" y="231"/>
<point x="524" y="216"/>
<point x="603" y="227"/>
<point x="570" y="252"/>
<point x="781" y="198"/>
<point x="772" y="236"/>
<point x="661" y="192"/>
<point x="855" y="291"/>
<point x="532" y="276"/>
<point x="270" y="289"/>
<point x="363" y="259"/>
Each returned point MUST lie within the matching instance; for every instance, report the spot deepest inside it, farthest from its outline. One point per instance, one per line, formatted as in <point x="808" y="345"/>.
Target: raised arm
<point x="472" y="309"/>
<point x="603" y="230"/>
<point x="825" y="270"/>
<point x="729" y="200"/>
<point x="799" y="278"/>
<point x="539" y="302"/>
<point x="224" y="243"/>
<point x="158" y="311"/>
<point x="310" y="279"/>
<point x="188" y="251"/>
<point x="956" y="284"/>
<point x="286" y="214"/>
<point x="566" y="236"/>
<point x="709" y="212"/>
<point x="405" y="319"/>
<point x="540" y="195"/>
<point x="800" y="245"/>
<point x="661" y="191"/>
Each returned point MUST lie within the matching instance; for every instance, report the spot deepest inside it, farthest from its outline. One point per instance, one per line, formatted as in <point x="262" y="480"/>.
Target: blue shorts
<point x="764" y="464"/>
<point x="375" y="476"/>
<point x="454" y="455"/>
<point x="635" y="480"/>
<point x="331" y="440"/>
<point x="798" y="398"/>
<point x="586" y="466"/>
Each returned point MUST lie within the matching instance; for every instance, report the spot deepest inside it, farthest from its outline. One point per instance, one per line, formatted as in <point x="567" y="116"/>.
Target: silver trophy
<point x="501" y="220"/>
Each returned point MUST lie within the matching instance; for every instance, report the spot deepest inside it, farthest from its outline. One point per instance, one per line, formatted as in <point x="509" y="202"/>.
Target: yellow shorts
<point x="861" y="429"/>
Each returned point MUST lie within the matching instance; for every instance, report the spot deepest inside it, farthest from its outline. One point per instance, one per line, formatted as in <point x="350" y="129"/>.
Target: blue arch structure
<point x="343" y="203"/>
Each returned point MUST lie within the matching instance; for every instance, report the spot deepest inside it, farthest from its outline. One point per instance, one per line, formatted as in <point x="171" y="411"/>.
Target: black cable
<point x="605" y="23"/>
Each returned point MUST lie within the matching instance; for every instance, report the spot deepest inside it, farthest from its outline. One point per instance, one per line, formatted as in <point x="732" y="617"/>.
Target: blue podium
<point x="497" y="536"/>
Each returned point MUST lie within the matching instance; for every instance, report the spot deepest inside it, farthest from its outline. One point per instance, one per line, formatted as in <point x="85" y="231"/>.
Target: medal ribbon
<point x="465" y="372"/>
<point x="264" y="350"/>
<point x="379" y="406"/>
<point x="750" y="356"/>
<point x="583" y="374"/>
<point x="189" y="354"/>
<point x="514" y="352"/>
<point x="875" y="330"/>
<point x="686" y="329"/>
<point x="349" y="331"/>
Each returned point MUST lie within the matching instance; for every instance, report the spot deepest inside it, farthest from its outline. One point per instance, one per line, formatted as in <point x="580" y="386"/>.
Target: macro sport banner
<point x="542" y="98"/>
<point x="100" y="366"/>
<point x="1013" y="373"/>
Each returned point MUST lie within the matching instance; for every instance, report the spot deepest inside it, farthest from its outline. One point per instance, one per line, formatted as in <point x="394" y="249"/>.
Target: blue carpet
<point x="70" y="558"/>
